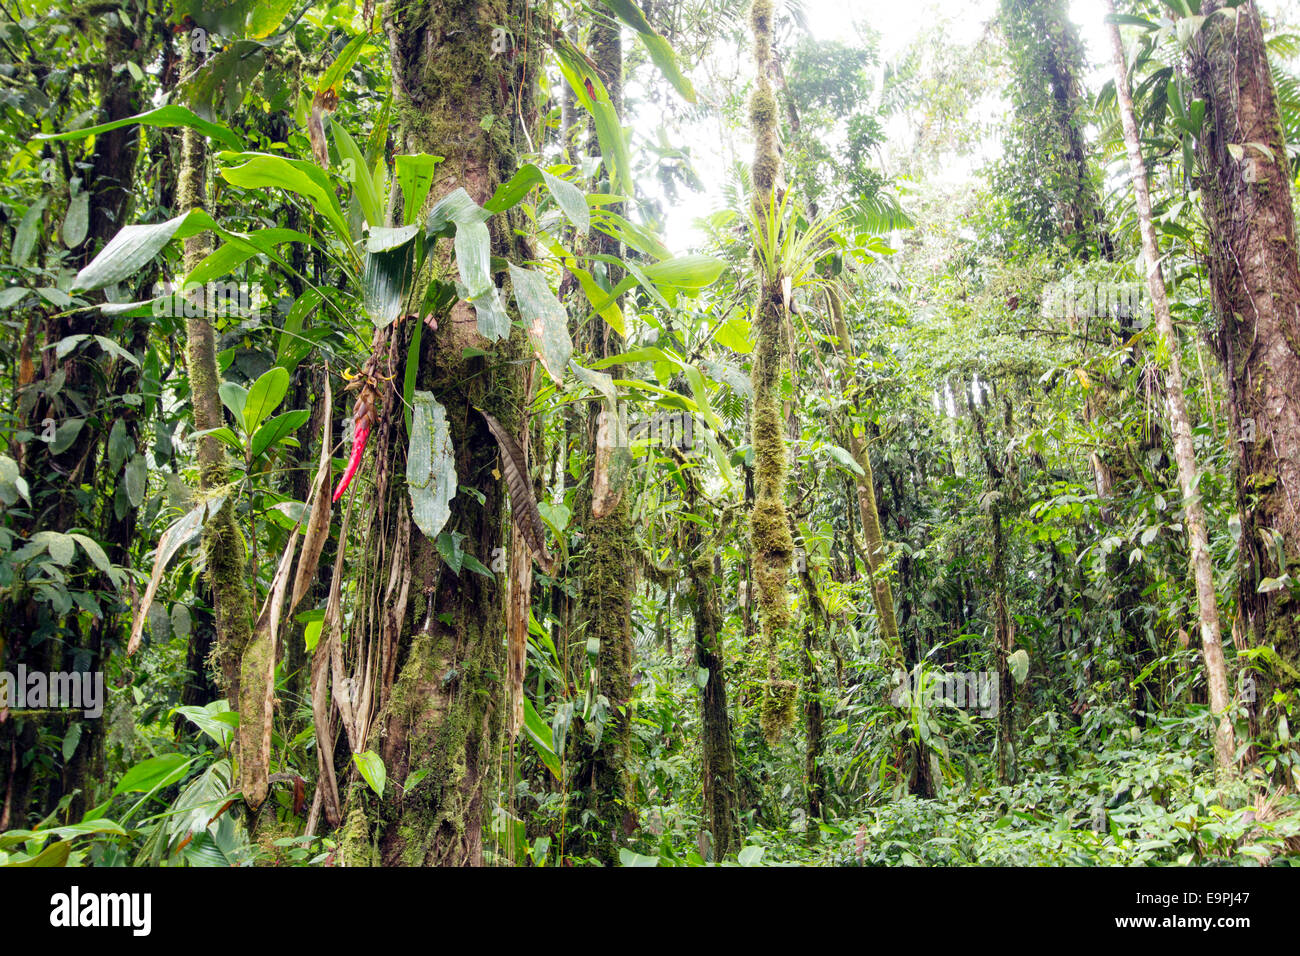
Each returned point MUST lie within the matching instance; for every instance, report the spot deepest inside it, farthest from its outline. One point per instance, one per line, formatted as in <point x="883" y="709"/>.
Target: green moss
<point x="762" y="108"/>
<point x="355" y="846"/>
<point x="224" y="552"/>
<point x="770" y="459"/>
<point x="777" y="710"/>
<point x="760" y="18"/>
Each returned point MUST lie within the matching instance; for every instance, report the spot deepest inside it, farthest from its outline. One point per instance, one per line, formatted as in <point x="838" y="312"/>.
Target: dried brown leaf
<point x="523" y="506"/>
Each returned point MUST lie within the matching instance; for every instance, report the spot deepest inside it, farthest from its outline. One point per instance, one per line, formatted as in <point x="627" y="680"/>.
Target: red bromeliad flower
<point x="363" y="419"/>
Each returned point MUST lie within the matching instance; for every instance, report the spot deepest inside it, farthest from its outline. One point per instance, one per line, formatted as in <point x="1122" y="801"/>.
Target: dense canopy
<point x="674" y="432"/>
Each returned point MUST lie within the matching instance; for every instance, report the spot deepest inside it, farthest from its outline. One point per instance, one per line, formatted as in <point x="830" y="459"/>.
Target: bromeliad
<point x="363" y="420"/>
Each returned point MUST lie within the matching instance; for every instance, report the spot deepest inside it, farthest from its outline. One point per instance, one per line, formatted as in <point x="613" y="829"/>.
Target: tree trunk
<point x="439" y="722"/>
<point x="1255" y="285"/>
<point x="223" y="542"/>
<point x="1048" y="63"/>
<point x="606" y="563"/>
<point x="1188" y="473"/>
<point x="769" y="531"/>
<point x="718" y="755"/>
<point x="867" y="507"/>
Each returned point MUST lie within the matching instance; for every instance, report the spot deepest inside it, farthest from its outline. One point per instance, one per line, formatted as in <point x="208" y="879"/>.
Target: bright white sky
<point x="898" y="23"/>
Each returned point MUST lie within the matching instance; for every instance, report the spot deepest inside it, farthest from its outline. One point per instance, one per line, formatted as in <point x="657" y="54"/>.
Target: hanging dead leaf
<point x="325" y="101"/>
<point x="182" y="530"/>
<point x="257" y="687"/>
<point x="523" y="506"/>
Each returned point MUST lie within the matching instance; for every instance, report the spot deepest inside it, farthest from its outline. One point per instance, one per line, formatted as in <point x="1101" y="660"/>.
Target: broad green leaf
<point x="25" y="237"/>
<point x="127" y="252"/>
<point x="294" y="346"/>
<point x="96" y="554"/>
<point x="628" y="858"/>
<point x="61" y="548"/>
<point x="264" y="397"/>
<point x="662" y="54"/>
<point x="211" y="721"/>
<point x="1019" y="664"/>
<point x="262" y="170"/>
<point x="474" y="260"/>
<point x="65" y="434"/>
<point x="844" y="458"/>
<point x="734" y="334"/>
<point x="567" y="196"/>
<point x="56" y="854"/>
<point x="750" y="855"/>
<point x="332" y="77"/>
<point x="452" y="209"/>
<point x="388" y="274"/>
<point x="70" y="740"/>
<point x="230" y="255"/>
<point x="414" y="176"/>
<point x="154" y="773"/>
<point x="115" y="350"/>
<point x="686" y="272"/>
<point x="279" y="427"/>
<point x="545" y="318"/>
<point x="372" y="770"/>
<point x="473" y="247"/>
<point x="599" y="381"/>
<point x="265" y="16"/>
<point x="168" y="116"/>
<point x="135" y="478"/>
<point x="664" y="58"/>
<point x="363" y="186"/>
<point x="77" y="220"/>
<point x="234" y="396"/>
<point x="605" y="305"/>
<point x="720" y="457"/>
<point x="613" y="147"/>
<point x="540" y="736"/>
<point x="411" y="371"/>
<point x="224" y="435"/>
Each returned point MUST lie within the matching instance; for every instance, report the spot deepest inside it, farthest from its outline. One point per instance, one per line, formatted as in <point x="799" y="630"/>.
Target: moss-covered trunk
<point x="1255" y="285"/>
<point x="606" y="563"/>
<point x="769" y="532"/>
<point x="1047" y="62"/>
<point x="439" y="636"/>
<point x="717" y="749"/>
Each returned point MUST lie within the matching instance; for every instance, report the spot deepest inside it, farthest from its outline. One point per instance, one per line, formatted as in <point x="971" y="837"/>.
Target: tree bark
<point x="439" y="719"/>
<point x="1188" y="474"/>
<point x="718" y="755"/>
<point x="1255" y="286"/>
<point x="867" y="507"/>
<point x="605" y="590"/>
<point x="223" y="544"/>
<point x="769" y="531"/>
